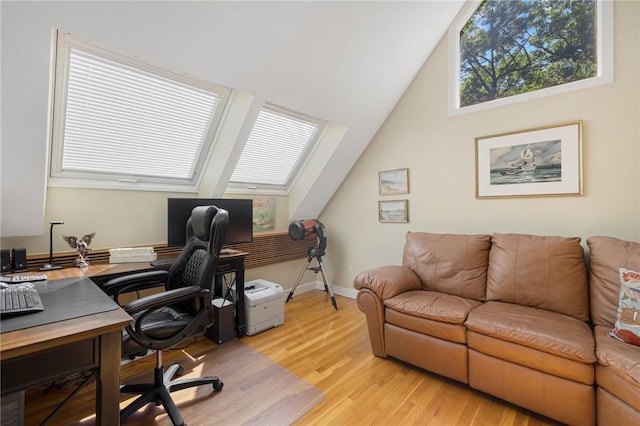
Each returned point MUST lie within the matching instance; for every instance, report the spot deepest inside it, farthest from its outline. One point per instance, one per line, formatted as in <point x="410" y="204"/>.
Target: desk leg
<point x="108" y="384"/>
<point x="240" y="318"/>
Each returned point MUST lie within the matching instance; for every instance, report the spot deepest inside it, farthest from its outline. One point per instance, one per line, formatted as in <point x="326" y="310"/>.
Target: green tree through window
<point x="513" y="47"/>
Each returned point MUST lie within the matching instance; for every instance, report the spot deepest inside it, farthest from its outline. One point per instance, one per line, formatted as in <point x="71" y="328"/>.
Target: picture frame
<point x="394" y="182"/>
<point x="538" y="162"/>
<point x="393" y="211"/>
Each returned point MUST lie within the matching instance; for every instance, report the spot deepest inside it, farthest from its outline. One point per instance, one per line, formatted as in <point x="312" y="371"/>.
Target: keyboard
<point x="162" y="262"/>
<point x="23" y="278"/>
<point x="19" y="299"/>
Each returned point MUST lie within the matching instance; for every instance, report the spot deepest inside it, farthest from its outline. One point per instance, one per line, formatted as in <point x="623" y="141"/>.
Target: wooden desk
<point x="234" y="262"/>
<point x="45" y="352"/>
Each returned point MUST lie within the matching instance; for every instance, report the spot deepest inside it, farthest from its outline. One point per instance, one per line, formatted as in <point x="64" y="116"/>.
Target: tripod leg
<point x="326" y="283"/>
<point x="298" y="280"/>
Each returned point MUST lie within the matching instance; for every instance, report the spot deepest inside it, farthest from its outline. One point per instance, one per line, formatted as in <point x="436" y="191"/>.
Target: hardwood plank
<point x="331" y="350"/>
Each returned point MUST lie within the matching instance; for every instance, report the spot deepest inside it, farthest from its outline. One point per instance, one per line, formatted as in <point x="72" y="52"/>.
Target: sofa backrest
<point x="449" y="263"/>
<point x="542" y="272"/>
<point x="606" y="256"/>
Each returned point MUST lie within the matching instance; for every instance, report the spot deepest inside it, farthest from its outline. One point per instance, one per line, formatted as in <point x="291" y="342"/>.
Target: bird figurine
<point x="82" y="247"/>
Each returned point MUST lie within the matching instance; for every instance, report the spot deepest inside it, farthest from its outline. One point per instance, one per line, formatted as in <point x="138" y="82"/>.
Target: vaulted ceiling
<point x="344" y="62"/>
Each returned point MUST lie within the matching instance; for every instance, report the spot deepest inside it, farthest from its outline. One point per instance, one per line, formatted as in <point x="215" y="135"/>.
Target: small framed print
<point x="394" y="182"/>
<point x="393" y="211"/>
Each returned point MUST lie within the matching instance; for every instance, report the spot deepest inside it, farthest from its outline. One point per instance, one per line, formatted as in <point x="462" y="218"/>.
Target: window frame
<point x="62" y="45"/>
<point x="605" y="73"/>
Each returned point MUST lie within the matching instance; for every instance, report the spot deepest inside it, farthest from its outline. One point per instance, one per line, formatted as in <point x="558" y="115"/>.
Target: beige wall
<point x="439" y="152"/>
<point x="119" y="218"/>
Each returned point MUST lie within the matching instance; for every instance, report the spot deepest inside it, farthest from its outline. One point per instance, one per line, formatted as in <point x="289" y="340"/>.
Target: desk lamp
<point x="50" y="266"/>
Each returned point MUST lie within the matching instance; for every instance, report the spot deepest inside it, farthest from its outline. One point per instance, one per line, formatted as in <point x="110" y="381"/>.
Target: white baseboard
<point x="318" y="285"/>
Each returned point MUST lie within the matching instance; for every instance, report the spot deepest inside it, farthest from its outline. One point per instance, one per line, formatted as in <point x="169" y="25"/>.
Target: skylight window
<point x="121" y="120"/>
<point x="278" y="144"/>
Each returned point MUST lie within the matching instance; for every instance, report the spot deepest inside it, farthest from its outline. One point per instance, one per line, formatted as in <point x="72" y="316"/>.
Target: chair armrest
<point x="134" y="282"/>
<point x="170" y="297"/>
<point x="388" y="281"/>
<point x="202" y="319"/>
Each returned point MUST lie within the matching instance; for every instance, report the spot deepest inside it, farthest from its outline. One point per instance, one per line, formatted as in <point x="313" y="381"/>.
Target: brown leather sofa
<point x="509" y="314"/>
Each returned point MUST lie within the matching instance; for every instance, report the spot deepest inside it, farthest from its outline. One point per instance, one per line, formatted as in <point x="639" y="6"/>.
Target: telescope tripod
<point x="315" y="269"/>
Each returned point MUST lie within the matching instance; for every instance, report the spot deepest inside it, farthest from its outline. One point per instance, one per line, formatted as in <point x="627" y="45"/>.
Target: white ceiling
<point x="344" y="62"/>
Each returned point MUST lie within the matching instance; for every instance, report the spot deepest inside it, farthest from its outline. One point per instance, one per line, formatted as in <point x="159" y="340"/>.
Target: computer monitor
<point x="240" y="229"/>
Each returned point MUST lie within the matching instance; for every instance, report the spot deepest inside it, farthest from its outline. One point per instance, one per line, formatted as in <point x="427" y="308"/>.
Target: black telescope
<point x="299" y="230"/>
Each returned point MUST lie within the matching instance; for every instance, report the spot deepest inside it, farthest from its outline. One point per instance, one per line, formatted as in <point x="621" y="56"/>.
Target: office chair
<point x="182" y="311"/>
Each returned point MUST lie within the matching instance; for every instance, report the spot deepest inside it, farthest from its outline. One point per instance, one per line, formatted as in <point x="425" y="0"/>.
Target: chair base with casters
<point x="159" y="392"/>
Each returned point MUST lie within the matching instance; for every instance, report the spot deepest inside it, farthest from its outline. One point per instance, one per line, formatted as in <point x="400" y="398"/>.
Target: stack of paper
<point x="133" y="254"/>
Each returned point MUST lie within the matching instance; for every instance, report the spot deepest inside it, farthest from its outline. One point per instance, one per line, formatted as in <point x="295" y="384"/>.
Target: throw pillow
<point x="627" y="327"/>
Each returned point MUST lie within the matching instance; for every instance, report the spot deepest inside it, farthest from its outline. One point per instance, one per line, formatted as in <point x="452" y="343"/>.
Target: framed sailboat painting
<point x="544" y="161"/>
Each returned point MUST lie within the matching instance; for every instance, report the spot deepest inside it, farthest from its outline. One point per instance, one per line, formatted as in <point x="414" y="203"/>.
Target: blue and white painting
<point x="535" y="162"/>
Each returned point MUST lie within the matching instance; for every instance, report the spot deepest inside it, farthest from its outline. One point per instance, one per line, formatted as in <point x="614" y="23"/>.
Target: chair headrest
<point x="201" y="218"/>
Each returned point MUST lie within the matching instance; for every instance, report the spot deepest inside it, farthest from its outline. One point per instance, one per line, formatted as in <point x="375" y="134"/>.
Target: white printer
<point x="264" y="305"/>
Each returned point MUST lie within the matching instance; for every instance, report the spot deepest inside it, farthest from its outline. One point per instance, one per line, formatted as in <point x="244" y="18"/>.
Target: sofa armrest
<point x="388" y="281"/>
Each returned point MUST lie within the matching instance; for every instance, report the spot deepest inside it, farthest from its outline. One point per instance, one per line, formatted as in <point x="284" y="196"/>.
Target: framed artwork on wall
<point x="394" y="182"/>
<point x="393" y="211"/>
<point x="264" y="214"/>
<point x="543" y="161"/>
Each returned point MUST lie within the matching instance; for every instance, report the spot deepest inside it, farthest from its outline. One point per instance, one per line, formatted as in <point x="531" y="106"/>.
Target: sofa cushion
<point x="606" y="256"/>
<point x="449" y="263"/>
<point x="432" y="305"/>
<point x="456" y="333"/>
<point x="534" y="359"/>
<point x="615" y="409"/>
<point x="539" y="329"/>
<point x="624" y="359"/>
<point x="627" y="327"/>
<point x="546" y="272"/>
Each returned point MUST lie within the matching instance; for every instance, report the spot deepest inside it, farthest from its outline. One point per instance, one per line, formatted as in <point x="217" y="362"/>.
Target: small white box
<point x="133" y="254"/>
<point x="264" y="305"/>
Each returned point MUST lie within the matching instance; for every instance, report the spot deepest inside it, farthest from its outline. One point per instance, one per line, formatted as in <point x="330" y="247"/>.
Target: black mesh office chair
<point x="163" y="320"/>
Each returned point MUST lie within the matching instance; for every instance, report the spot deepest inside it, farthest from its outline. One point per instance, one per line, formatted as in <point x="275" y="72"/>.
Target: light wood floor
<point x="331" y="350"/>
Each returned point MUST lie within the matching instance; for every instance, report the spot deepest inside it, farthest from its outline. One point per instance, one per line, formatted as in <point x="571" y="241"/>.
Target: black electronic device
<point x="239" y="230"/>
<point x="23" y="278"/>
<point x="301" y="229"/>
<point x="19" y="259"/>
<point x="222" y="329"/>
<point x="19" y="299"/>
<point x="5" y="261"/>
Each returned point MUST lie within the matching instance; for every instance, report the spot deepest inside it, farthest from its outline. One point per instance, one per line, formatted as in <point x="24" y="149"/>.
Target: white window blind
<point x="132" y="123"/>
<point x="276" y="148"/>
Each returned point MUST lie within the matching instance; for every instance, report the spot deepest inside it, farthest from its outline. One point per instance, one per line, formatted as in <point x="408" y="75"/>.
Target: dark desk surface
<point x="63" y="299"/>
<point x="37" y="337"/>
